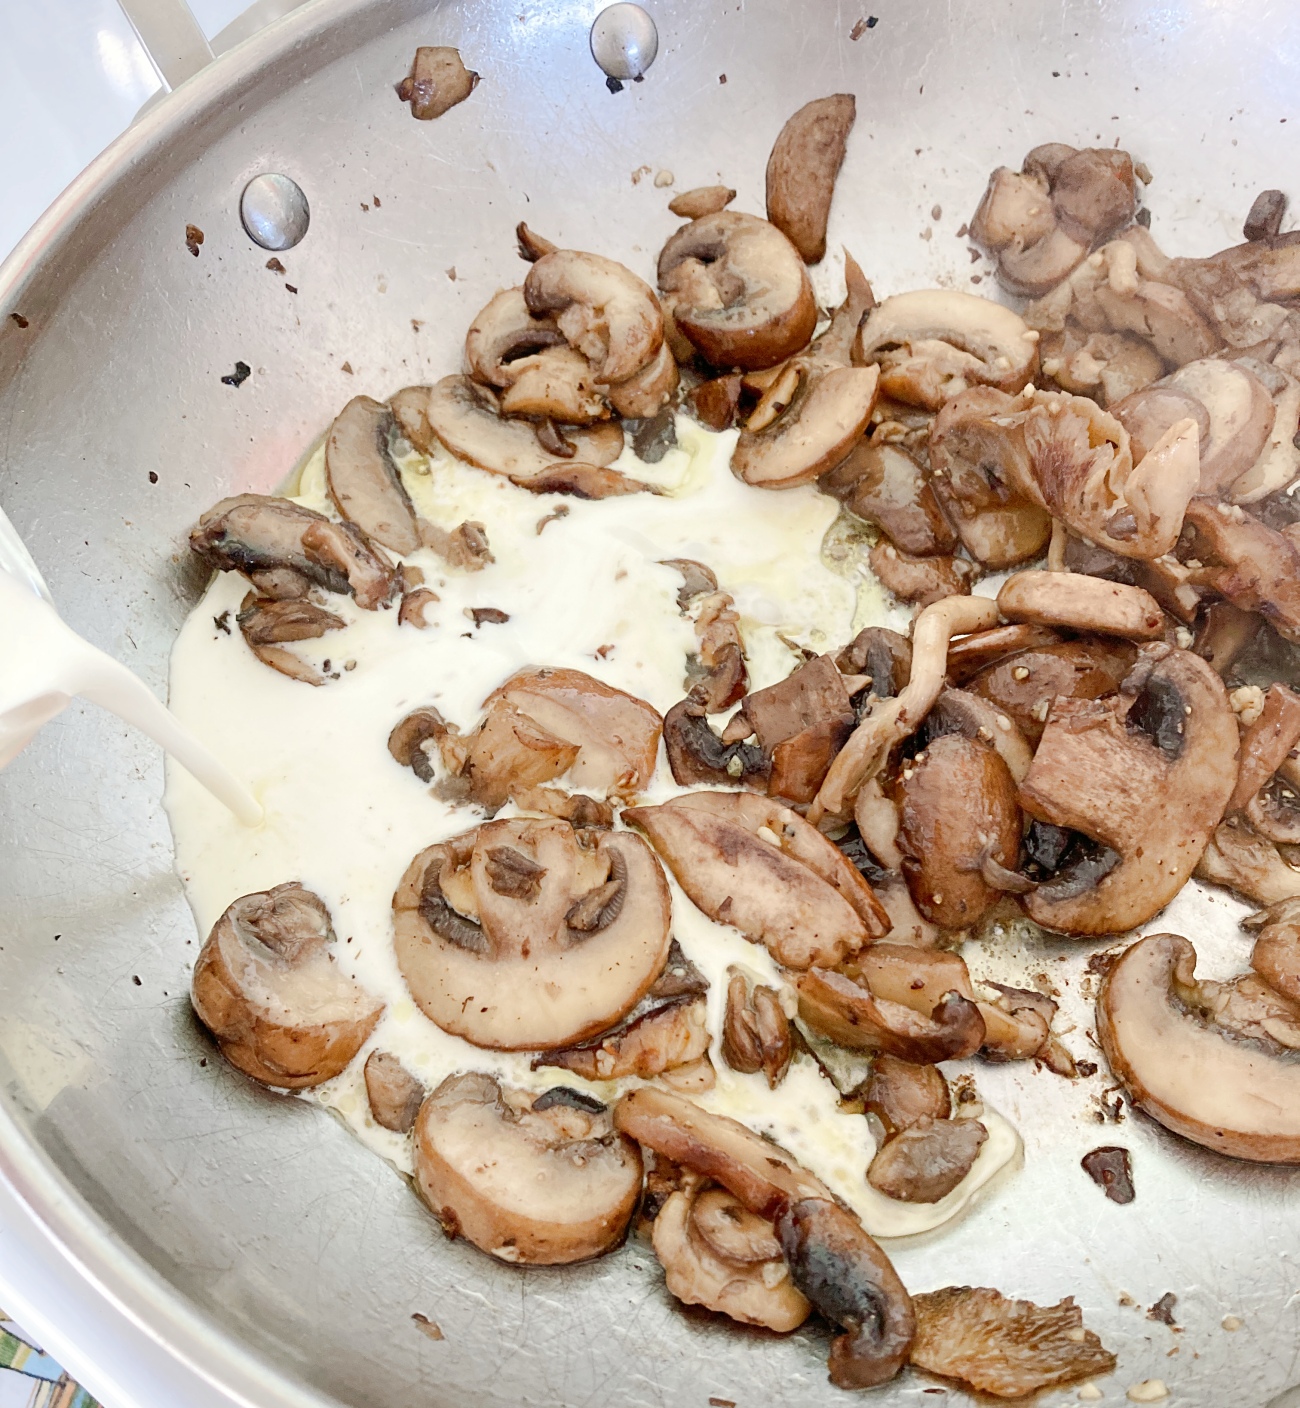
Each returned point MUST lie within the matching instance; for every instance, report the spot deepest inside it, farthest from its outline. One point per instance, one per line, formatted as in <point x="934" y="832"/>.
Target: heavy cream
<point x="587" y="590"/>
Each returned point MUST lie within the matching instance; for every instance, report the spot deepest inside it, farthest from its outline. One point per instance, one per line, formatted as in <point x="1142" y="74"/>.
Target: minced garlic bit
<point x="1148" y="1391"/>
<point x="1231" y="1322"/>
<point x="1247" y="703"/>
<point x="1090" y="1393"/>
<point x="1184" y="638"/>
<point x="1021" y="672"/>
<point x="663" y="178"/>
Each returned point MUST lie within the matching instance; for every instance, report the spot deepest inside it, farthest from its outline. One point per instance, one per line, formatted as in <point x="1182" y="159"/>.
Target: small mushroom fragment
<point x="263" y="536"/>
<point x="1081" y="603"/>
<point x="362" y="479"/>
<point x="658" y="1035"/>
<point x="853" y="1284"/>
<point x="508" y="753"/>
<point x="394" y="1094"/>
<point x="1241" y="1098"/>
<point x="716" y="403"/>
<point x="530" y="1181"/>
<point x="407" y="742"/>
<point x="755" y="1030"/>
<point x="700" y="201"/>
<point x="883" y="656"/>
<point x="1254" y="566"/>
<point x="737" y="291"/>
<point x="957" y="711"/>
<point x="923" y="580"/>
<point x="926" y="1161"/>
<point x="802" y="168"/>
<point x="1278" y="465"/>
<point x="616" y="734"/>
<point x="438" y="80"/>
<point x="1238" y="857"/>
<point x="267" y="988"/>
<point x="1111" y="1169"/>
<point x="1265" y="217"/>
<point x="1266" y="744"/>
<point x="516" y="938"/>
<point x="900" y="1093"/>
<point x="1108" y="366"/>
<point x="532" y="245"/>
<point x="267" y="625"/>
<point x="1147" y="774"/>
<point x="933" y="344"/>
<point x="959" y="830"/>
<point x="1276" y="955"/>
<point x="1009" y="1348"/>
<point x="885" y="485"/>
<point x="718" y="1254"/>
<point x="755" y="864"/>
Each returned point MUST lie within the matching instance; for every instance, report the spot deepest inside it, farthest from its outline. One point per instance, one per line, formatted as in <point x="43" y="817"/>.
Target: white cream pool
<point x="588" y="591"/>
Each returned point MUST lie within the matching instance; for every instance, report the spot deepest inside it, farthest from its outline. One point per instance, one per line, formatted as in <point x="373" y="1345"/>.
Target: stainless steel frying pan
<point x="253" y="1235"/>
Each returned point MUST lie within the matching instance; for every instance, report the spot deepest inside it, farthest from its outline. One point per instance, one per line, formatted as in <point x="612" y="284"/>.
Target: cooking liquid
<point x="587" y="590"/>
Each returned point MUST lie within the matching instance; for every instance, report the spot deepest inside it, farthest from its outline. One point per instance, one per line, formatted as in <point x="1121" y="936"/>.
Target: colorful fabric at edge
<point x="29" y="1378"/>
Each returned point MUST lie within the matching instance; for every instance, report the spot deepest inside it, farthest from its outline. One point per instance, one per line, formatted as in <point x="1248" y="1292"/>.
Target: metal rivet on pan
<point x="274" y="211"/>
<point x="624" y="41"/>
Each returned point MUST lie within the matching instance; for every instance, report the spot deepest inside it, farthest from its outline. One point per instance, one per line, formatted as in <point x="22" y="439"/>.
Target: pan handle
<point x="177" y="46"/>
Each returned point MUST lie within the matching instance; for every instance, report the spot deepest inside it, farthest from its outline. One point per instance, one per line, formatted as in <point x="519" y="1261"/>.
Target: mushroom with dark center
<point x="736" y="290"/>
<point x="926" y="1161"/>
<point x="267" y="625"/>
<point x="1147" y="774"/>
<point x="299" y="548"/>
<point x="757" y="865"/>
<point x="529" y="1181"/>
<point x="755" y="1030"/>
<point x="883" y="656"/>
<point x="696" y="754"/>
<point x="267" y="987"/>
<point x="1240" y="1097"/>
<point x="802" y="168"/>
<point x="394" y="1094"/>
<point x="718" y="1254"/>
<point x="489" y="948"/>
<point x="363" y="480"/>
<point x="407" y="742"/>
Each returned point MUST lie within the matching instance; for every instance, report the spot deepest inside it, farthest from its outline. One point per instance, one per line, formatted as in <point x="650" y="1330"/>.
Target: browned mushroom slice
<point x="883" y="656"/>
<point x="558" y="383"/>
<point x="394" y="1094"/>
<point x="510" y="752"/>
<point x="752" y="863"/>
<point x="362" y="479"/>
<point x="267" y="625"/>
<point x="1240" y="413"/>
<point x="1253" y="565"/>
<point x="258" y="534"/>
<point x="718" y="1254"/>
<point x="1266" y="743"/>
<point x="957" y="711"/>
<point x="584" y="481"/>
<point x="1081" y="603"/>
<point x="657" y="1036"/>
<point x="826" y="414"/>
<point x="755" y="1030"/>
<point x="801" y="723"/>
<point x="532" y="245"/>
<point x="696" y="754"/>
<point x="975" y="652"/>
<point x="737" y="290"/>
<point x="885" y="485"/>
<point x="1010" y="1348"/>
<point x="1150" y="414"/>
<point x="575" y="807"/>
<point x="1241" y="1098"/>
<point x="504" y="338"/>
<point x="616" y="734"/>
<point x="1238" y="857"/>
<point x="409" y="739"/>
<point x="926" y="1161"/>
<point x="960" y="830"/>
<point x="933" y="344"/>
<point x="529" y="1180"/>
<point x="802" y="168"/>
<point x="899" y="1093"/>
<point x="267" y="988"/>
<point x="717" y="676"/>
<point x="1017" y="1024"/>
<point x="1023" y="684"/>
<point x="701" y="201"/>
<point x="716" y="403"/>
<point x="1148" y="775"/>
<point x="1276" y="955"/>
<point x="854" y="1285"/>
<point x="438" y="80"/>
<point x="515" y="938"/>
<point x="923" y="580"/>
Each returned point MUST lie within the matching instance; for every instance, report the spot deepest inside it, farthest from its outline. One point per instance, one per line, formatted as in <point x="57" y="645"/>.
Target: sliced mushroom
<point x="1108" y="366"/>
<point x="883" y="656"/>
<point x="505" y="337"/>
<point x="362" y="479"/>
<point x="258" y="534"/>
<point x="900" y="1093"/>
<point x="1224" y="632"/>
<point x="927" y="1160"/>
<point x="1254" y="566"/>
<point x="267" y="625"/>
<point x="438" y="80"/>
<point x="933" y="344"/>
<point x="718" y="1254"/>
<point x="717" y="676"/>
<point x="1266" y="743"/>
<point x="1240" y="413"/>
<point x="657" y="1036"/>
<point x="1081" y="603"/>
<point x="1011" y="1348"/>
<point x="923" y="580"/>
<point x="394" y="1094"/>
<point x="1148" y="775"/>
<point x="854" y="1285"/>
<point x="890" y="721"/>
<point x="757" y="865"/>
<point x="975" y="652"/>
<point x="267" y="988"/>
<point x="1276" y="955"/>
<point x="958" y="813"/>
<point x="801" y="723"/>
<point x="1149" y="415"/>
<point x="1241" y="1098"/>
<point x="802" y="168"/>
<point x="1238" y="857"/>
<point x="755" y="1030"/>
<point x="716" y="403"/>
<point x="533" y="950"/>
<point x="407" y="742"/>
<point x="510" y="752"/>
<point x="737" y="290"/>
<point x="529" y="1181"/>
<point x="957" y="711"/>
<point x="647" y="393"/>
<point x="885" y="485"/>
<point x="701" y="201"/>
<point x="616" y="734"/>
<point x="1278" y="464"/>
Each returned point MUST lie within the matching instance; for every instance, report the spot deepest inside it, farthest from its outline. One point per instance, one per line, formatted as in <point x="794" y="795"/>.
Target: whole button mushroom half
<point x="266" y="986"/>
<point x="1239" y="1097"/>
<point x="517" y="938"/>
<point x="541" y="1180"/>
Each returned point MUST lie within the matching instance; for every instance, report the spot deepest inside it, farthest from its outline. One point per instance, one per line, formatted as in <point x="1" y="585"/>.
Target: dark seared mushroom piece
<point x="696" y="753"/>
<point x="1254" y="566"/>
<point x="926" y="1161"/>
<point x="899" y="1093"/>
<point x="395" y="1095"/>
<point x="756" y="1031"/>
<point x="884" y="656"/>
<point x="267" y="625"/>
<point x="363" y="480"/>
<point x="883" y="484"/>
<point x="802" y="168"/>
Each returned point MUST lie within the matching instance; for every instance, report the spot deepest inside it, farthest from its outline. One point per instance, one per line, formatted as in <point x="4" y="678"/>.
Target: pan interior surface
<point x="249" y="1230"/>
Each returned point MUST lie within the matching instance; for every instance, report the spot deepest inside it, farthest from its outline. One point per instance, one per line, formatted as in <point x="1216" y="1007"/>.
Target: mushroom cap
<point x="1081" y="603"/>
<point x="266" y="986"/>
<point x="363" y="480"/>
<point x="1234" y="1096"/>
<point x="737" y="290"/>
<point x="794" y="892"/>
<point x="802" y="168"/>
<point x="523" y="978"/>
<point x="1147" y="774"/>
<point x="970" y="340"/>
<point x="1240" y="412"/>
<point x="541" y="1187"/>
